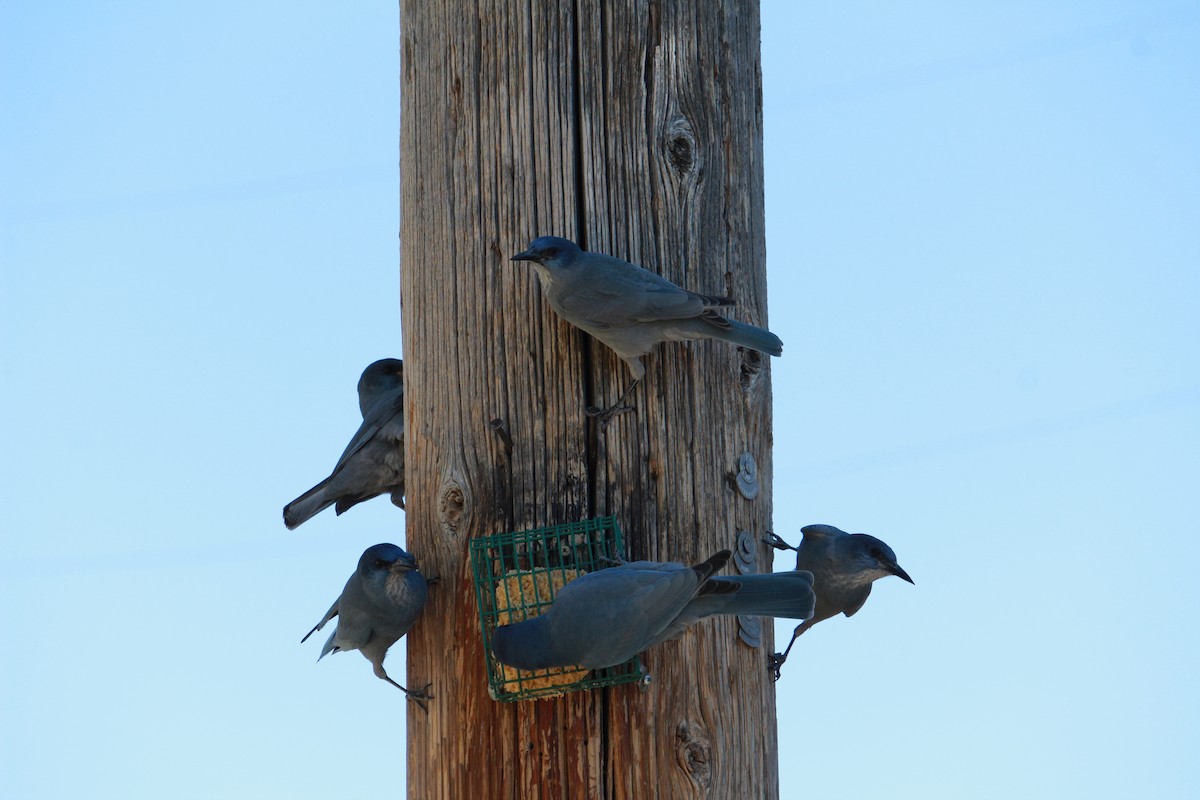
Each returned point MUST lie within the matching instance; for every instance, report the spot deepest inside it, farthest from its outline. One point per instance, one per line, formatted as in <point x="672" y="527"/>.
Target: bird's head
<point x="527" y="645"/>
<point x="384" y="374"/>
<point x="385" y="559"/>
<point x="872" y="558"/>
<point x="502" y="644"/>
<point x="551" y="252"/>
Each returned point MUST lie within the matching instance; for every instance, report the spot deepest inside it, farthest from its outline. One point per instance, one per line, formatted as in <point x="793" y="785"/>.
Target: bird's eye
<point x="380" y="564"/>
<point x="876" y="554"/>
<point x="550" y="252"/>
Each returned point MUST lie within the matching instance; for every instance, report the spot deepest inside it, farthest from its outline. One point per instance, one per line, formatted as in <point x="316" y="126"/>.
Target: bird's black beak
<point x="404" y="564"/>
<point x="899" y="573"/>
<point x="527" y="255"/>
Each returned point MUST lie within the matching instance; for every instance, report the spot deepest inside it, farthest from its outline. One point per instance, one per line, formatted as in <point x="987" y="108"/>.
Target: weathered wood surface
<point x="636" y="129"/>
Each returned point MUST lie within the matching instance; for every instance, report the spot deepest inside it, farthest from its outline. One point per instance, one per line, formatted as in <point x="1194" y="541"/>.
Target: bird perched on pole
<point x="606" y="617"/>
<point x="843" y="566"/>
<point x="378" y="605"/>
<point x="631" y="309"/>
<point x="373" y="462"/>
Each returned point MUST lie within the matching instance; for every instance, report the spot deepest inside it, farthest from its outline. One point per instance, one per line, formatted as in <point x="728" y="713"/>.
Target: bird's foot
<point x="777" y="542"/>
<point x="775" y="664"/>
<point x="419" y="696"/>
<point x="605" y="415"/>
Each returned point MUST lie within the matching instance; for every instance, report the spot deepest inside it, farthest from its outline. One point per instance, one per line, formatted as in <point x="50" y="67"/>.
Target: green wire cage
<point x="516" y="576"/>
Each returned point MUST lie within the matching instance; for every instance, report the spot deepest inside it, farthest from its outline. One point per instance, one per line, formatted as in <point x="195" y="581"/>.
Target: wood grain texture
<point x="634" y="128"/>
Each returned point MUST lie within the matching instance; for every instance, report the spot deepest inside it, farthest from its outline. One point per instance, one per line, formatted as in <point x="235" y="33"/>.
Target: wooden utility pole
<point x="634" y="128"/>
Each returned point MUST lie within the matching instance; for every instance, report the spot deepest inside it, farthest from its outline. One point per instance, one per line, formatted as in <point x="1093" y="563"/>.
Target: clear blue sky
<point x="984" y="256"/>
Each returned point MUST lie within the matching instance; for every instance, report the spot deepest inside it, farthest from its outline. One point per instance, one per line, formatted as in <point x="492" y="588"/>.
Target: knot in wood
<point x="681" y="144"/>
<point x="694" y="753"/>
<point x="452" y="506"/>
<point x="752" y="364"/>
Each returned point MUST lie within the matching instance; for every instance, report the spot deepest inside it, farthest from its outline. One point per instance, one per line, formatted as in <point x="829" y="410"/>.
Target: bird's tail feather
<point x="744" y="335"/>
<point x="329" y="647"/>
<point x="788" y="595"/>
<point x="713" y="564"/>
<point x="307" y="505"/>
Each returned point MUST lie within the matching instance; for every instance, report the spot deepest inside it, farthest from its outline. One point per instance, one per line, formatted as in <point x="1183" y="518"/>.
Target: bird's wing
<point x="625" y="610"/>
<point x="821" y="532"/>
<point x="613" y="292"/>
<point x="662" y="584"/>
<point x="656" y="600"/>
<point x="856" y="601"/>
<point x="620" y="583"/>
<point x="330" y="614"/>
<point x="354" y="630"/>
<point x="817" y="553"/>
<point x="622" y="601"/>
<point x="381" y="417"/>
<point x="330" y="645"/>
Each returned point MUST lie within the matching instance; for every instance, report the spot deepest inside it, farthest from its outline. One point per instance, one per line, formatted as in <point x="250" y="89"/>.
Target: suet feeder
<point x="516" y="577"/>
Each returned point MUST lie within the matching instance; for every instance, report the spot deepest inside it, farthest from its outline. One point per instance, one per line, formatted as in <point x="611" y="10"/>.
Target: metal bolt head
<point x="747" y="476"/>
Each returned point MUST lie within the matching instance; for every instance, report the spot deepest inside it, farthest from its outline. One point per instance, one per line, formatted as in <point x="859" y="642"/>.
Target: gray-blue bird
<point x="631" y="309"/>
<point x="378" y="605"/>
<point x="373" y="462"/>
<point x="843" y="566"/>
<point x="606" y="617"/>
